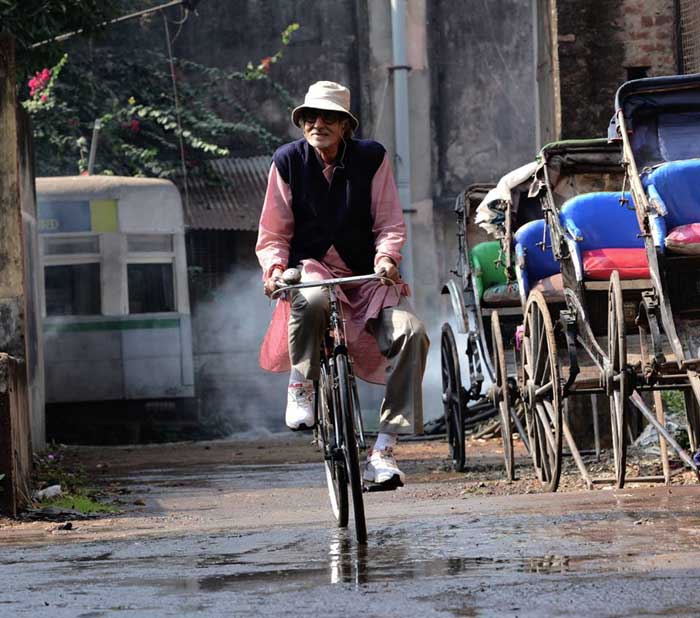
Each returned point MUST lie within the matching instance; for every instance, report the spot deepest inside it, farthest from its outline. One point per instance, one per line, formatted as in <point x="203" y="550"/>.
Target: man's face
<point x="322" y="129"/>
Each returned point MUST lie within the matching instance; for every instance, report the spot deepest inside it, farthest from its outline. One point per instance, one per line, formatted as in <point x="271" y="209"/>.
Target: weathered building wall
<point x="483" y="108"/>
<point x="649" y="38"/>
<point x="603" y="43"/>
<point x="483" y="89"/>
<point x="547" y="107"/>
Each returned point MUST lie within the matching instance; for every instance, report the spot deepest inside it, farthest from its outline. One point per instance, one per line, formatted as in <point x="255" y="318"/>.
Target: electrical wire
<point x="185" y="16"/>
<point x="186" y="4"/>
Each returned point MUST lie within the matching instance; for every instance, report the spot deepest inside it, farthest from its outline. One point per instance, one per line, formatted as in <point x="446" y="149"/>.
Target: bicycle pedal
<point x="390" y="485"/>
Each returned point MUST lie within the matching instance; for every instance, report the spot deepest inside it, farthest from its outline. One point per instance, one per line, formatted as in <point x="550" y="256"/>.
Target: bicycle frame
<point x="341" y="454"/>
<point x="335" y="343"/>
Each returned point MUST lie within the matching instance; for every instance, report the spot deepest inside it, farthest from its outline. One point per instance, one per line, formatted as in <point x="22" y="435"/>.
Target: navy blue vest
<point x="338" y="214"/>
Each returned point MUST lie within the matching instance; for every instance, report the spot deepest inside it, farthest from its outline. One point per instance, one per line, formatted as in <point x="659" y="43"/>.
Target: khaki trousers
<point x="401" y="338"/>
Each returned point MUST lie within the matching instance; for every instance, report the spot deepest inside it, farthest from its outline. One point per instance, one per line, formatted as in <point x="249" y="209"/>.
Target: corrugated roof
<point x="232" y="200"/>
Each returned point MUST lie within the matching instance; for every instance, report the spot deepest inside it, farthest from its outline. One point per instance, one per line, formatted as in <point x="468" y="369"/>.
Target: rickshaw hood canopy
<point x="662" y="117"/>
<point x="490" y="213"/>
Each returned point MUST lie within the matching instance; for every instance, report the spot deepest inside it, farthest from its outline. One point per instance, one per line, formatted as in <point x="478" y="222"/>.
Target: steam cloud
<point x="235" y="390"/>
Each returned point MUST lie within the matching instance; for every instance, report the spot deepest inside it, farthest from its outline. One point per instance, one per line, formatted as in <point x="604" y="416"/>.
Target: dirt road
<point x="243" y="529"/>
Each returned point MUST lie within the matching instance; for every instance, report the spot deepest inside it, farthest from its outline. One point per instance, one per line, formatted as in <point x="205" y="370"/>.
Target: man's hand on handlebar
<point x="386" y="267"/>
<point x="272" y="282"/>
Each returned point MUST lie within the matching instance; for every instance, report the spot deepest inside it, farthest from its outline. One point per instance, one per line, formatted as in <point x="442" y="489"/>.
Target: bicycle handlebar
<point x="283" y="287"/>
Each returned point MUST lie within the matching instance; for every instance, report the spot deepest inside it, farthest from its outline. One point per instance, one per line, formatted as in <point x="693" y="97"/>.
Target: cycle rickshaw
<point x="480" y="286"/>
<point x="574" y="166"/>
<point x="658" y="121"/>
<point x="579" y="347"/>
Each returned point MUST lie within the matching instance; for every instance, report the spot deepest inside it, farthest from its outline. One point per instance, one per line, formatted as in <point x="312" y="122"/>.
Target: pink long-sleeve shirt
<point x="360" y="303"/>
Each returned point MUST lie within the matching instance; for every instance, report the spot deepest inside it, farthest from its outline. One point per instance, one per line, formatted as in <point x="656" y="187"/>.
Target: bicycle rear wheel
<point x="352" y="456"/>
<point x="334" y="463"/>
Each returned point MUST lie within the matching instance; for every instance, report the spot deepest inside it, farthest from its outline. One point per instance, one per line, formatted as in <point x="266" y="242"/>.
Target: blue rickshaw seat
<point x="537" y="268"/>
<point x="674" y="187"/>
<point x="677" y="183"/>
<point x="604" y="236"/>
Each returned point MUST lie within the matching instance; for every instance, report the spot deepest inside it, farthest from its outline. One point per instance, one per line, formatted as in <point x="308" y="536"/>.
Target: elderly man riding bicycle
<point x="332" y="208"/>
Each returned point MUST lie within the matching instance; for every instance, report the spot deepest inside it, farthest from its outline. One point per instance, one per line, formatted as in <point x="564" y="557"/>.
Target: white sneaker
<point x="300" y="405"/>
<point x="381" y="467"/>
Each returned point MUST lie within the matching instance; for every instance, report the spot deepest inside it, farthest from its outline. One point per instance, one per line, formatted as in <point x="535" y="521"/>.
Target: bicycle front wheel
<point x="352" y="456"/>
<point x="334" y="463"/>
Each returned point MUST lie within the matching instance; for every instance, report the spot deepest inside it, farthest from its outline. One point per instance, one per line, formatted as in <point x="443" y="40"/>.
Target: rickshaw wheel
<point x="620" y="391"/>
<point x="452" y="398"/>
<point x="500" y="395"/>
<point x="541" y="391"/>
<point x="474" y="369"/>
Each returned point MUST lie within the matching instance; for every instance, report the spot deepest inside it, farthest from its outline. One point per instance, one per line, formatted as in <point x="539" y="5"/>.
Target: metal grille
<point x="690" y="35"/>
<point x="210" y="257"/>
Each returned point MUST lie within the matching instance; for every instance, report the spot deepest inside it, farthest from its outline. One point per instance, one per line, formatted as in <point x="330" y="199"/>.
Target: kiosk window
<point x="150" y="288"/>
<point x="71" y="245"/>
<point x="149" y="243"/>
<point x="73" y="289"/>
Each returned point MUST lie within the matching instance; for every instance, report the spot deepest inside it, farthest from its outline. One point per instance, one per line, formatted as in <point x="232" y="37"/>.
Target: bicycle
<point x="338" y="429"/>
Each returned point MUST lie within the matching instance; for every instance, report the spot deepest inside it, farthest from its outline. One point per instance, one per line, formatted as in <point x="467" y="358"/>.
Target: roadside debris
<point x="53" y="491"/>
<point x="648" y="440"/>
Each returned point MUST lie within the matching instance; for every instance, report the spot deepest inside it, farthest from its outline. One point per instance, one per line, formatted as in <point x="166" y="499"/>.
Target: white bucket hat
<point x="329" y="96"/>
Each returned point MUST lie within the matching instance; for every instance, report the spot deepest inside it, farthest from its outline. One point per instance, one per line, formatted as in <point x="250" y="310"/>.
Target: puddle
<point x="295" y="565"/>
<point x="355" y="568"/>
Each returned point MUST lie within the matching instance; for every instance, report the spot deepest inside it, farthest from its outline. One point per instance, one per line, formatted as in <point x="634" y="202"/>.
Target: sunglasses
<point x="329" y="117"/>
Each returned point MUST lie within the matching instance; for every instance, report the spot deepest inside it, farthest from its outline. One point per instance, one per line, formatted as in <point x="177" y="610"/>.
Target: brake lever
<point x="279" y="291"/>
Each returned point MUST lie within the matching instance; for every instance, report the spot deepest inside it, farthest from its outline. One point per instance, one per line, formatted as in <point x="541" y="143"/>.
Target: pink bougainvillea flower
<point x="43" y="98"/>
<point x="39" y="82"/>
<point x="135" y="125"/>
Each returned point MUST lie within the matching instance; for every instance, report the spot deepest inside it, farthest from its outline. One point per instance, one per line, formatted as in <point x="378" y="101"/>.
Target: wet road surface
<point x="258" y="541"/>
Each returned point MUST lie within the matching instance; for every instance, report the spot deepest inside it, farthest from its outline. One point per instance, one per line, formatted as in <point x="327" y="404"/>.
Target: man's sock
<point x="296" y="377"/>
<point x="384" y="440"/>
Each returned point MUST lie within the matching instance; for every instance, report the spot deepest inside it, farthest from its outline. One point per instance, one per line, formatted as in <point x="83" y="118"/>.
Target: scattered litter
<point x="648" y="440"/>
<point x="46" y="494"/>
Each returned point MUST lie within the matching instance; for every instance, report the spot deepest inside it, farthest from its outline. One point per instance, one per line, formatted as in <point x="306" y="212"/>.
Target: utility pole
<point x="402" y="130"/>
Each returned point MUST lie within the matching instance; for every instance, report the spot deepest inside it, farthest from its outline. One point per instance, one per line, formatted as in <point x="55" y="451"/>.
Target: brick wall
<point x="648" y="35"/>
<point x="602" y="42"/>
